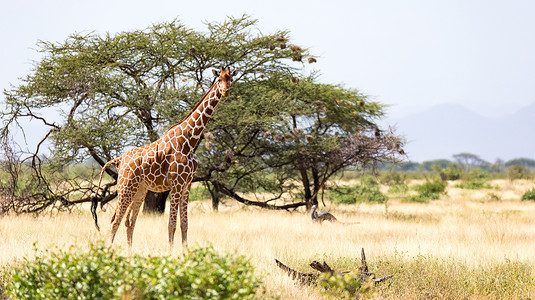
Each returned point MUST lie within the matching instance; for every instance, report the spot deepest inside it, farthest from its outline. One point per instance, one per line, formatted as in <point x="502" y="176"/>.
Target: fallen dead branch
<point x="311" y="278"/>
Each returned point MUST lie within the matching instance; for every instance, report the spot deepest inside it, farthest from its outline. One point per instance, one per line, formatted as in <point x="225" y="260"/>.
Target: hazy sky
<point x="409" y="54"/>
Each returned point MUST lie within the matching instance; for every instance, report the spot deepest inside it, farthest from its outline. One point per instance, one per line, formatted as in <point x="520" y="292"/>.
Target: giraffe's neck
<point x="193" y="125"/>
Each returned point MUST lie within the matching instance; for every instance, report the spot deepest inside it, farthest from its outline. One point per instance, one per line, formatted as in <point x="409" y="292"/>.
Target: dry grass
<point x="465" y="232"/>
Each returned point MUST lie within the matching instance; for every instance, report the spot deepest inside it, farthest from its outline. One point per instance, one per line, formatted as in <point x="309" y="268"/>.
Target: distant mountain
<point x="448" y="129"/>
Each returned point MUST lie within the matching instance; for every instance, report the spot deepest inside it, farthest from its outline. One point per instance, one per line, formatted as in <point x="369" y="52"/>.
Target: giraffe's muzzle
<point x="225" y="92"/>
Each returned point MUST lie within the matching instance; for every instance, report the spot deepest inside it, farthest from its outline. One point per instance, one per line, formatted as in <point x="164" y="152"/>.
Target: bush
<point x="369" y="181"/>
<point x="357" y="193"/>
<point x="199" y="193"/>
<point x="101" y="273"/>
<point x="430" y="190"/>
<point x="452" y="172"/>
<point x="529" y="195"/>
<point x="473" y="185"/>
<point x="432" y="187"/>
<point x="398" y="190"/>
<point x="393" y="178"/>
<point x="517" y="172"/>
<point x="477" y="175"/>
<point x="475" y="180"/>
<point x="347" y="286"/>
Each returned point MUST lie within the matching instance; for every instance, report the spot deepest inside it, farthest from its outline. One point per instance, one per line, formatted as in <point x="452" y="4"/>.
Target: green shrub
<point x="393" y="178"/>
<point x="369" y="181"/>
<point x="476" y="179"/>
<point x="398" y="189"/>
<point x="529" y="195"/>
<point x="430" y="190"/>
<point x="476" y="175"/>
<point x="101" y="273"/>
<point x="432" y="187"/>
<point x="347" y="286"/>
<point x="517" y="172"/>
<point x="198" y="193"/>
<point x="357" y="193"/>
<point x="452" y="172"/>
<point x="473" y="185"/>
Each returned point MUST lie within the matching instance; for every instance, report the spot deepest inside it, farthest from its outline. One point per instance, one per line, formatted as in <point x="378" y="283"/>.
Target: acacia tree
<point x="294" y="128"/>
<point x="119" y="91"/>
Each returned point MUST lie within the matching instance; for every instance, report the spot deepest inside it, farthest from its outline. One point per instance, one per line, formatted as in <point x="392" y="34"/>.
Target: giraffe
<point x="166" y="164"/>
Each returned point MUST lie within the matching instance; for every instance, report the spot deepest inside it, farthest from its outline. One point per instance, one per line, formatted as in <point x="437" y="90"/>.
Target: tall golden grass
<point x="465" y="231"/>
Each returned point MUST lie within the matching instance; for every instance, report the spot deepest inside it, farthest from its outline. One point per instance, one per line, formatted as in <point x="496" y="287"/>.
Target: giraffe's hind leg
<point x="125" y="197"/>
<point x="132" y="214"/>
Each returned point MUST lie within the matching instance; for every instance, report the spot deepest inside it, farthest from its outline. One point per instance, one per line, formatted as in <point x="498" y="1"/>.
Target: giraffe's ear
<point x="215" y="72"/>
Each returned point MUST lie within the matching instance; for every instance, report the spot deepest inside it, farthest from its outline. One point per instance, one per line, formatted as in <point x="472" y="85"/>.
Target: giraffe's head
<point x="225" y="78"/>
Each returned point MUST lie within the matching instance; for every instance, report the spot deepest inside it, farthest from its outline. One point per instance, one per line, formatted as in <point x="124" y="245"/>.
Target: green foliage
<point x="357" y="193"/>
<point x="529" y="195"/>
<point x="347" y="286"/>
<point x="409" y="166"/>
<point x="475" y="180"/>
<point x="477" y="174"/>
<point x="430" y="165"/>
<point x="517" y="172"/>
<point x="398" y="190"/>
<point x="369" y="181"/>
<point x="430" y="190"/>
<point x="101" y="273"/>
<point x="452" y="172"/>
<point x="393" y="178"/>
<point x="473" y="185"/>
<point x="527" y="162"/>
<point x="198" y="193"/>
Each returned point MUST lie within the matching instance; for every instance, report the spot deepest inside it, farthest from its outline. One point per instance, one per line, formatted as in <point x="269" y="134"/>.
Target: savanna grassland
<point x="475" y="244"/>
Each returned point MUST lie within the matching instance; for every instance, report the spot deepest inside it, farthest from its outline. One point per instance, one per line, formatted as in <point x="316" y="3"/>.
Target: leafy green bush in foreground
<point x="101" y="273"/>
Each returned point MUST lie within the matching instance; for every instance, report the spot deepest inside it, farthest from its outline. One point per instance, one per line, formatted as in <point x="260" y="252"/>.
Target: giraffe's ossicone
<point x="166" y="164"/>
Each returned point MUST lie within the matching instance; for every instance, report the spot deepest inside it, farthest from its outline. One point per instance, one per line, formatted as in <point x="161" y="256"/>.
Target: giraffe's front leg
<point x="183" y="204"/>
<point x="184" y="216"/>
<point x="173" y="214"/>
<point x="179" y="202"/>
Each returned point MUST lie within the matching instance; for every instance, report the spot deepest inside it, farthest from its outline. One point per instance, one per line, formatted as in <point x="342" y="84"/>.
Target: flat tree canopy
<point x="280" y="125"/>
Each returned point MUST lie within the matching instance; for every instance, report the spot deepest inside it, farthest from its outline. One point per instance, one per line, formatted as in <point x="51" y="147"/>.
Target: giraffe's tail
<point x="94" y="199"/>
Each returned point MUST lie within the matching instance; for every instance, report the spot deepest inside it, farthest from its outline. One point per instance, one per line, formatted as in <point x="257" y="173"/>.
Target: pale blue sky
<point x="410" y="54"/>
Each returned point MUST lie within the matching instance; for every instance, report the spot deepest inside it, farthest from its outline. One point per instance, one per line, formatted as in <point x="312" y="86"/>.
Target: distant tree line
<point x="465" y="162"/>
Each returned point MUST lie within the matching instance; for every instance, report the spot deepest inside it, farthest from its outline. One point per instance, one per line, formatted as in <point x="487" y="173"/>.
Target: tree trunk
<point x="155" y="202"/>
<point x="214" y="193"/>
<point x="316" y="179"/>
<point x="306" y="186"/>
